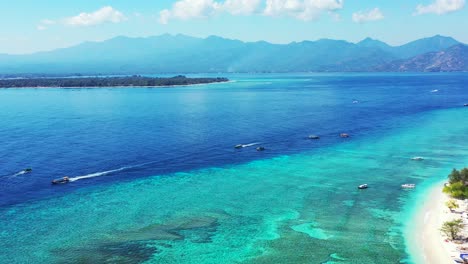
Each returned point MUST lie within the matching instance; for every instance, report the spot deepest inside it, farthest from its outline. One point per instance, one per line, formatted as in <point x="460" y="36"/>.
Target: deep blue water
<point x="77" y="132"/>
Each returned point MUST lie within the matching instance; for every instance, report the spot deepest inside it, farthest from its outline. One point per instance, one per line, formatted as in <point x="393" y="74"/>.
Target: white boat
<point x="314" y="137"/>
<point x="408" y="186"/>
<point x="434" y="91"/>
<point x="363" y="186"/>
<point x="417" y="158"/>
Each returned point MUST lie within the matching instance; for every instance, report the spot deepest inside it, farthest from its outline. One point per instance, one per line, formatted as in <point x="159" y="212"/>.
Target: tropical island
<point x="92" y="82"/>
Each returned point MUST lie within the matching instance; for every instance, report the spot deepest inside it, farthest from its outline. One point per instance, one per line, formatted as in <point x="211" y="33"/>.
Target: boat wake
<point x="96" y="174"/>
<point x="250" y="145"/>
<point x="103" y="173"/>
<point x="19" y="173"/>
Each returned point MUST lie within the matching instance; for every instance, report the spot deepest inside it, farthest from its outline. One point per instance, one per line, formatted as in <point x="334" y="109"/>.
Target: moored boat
<point x="363" y="186"/>
<point x="417" y="158"/>
<point x="408" y="186"/>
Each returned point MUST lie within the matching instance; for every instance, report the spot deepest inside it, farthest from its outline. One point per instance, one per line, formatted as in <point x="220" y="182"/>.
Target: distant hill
<point x="373" y="43"/>
<point x="180" y="53"/>
<point x="424" y="45"/>
<point x="452" y="59"/>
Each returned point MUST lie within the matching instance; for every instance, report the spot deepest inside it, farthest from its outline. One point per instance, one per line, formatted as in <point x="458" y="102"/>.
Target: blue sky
<point x="29" y="25"/>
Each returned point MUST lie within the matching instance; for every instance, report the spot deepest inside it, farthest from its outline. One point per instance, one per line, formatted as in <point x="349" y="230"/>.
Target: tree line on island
<point x="128" y="81"/>
<point x="457" y="188"/>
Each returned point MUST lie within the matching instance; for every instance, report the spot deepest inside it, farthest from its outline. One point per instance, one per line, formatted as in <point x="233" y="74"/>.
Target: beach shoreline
<point x="426" y="242"/>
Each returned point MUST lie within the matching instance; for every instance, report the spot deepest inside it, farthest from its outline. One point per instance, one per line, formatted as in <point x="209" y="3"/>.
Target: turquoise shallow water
<point x="298" y="208"/>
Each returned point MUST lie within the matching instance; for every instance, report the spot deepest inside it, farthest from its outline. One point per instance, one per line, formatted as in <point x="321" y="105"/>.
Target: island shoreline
<point x="119" y="87"/>
<point x="425" y="241"/>
<point x="109" y="82"/>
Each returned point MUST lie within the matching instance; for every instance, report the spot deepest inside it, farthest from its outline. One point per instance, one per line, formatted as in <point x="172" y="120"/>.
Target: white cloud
<point x="44" y="24"/>
<point x="188" y="9"/>
<point x="47" y="22"/>
<point x="440" y="7"/>
<point x="41" y="27"/>
<point x="103" y="15"/>
<point x="241" y="7"/>
<point x="301" y="9"/>
<point x="164" y="16"/>
<point x="367" y="16"/>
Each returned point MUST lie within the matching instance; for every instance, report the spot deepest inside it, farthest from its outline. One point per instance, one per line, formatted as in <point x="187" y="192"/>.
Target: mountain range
<point x="181" y="53"/>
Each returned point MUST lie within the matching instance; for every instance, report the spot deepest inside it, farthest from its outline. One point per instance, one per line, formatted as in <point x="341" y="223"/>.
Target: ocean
<point x="156" y="178"/>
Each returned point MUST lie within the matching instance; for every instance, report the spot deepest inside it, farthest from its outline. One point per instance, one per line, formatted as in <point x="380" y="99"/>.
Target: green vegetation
<point x="452" y="228"/>
<point x="135" y="80"/>
<point x="458" y="181"/>
<point x="451" y="204"/>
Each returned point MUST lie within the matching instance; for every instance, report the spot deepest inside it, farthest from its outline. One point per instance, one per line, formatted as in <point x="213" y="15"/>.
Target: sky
<point x="29" y="26"/>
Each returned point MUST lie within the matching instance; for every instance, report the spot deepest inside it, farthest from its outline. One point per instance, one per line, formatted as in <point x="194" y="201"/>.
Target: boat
<point x="434" y="91"/>
<point x="260" y="149"/>
<point x="344" y="135"/>
<point x="408" y="186"/>
<point x="465" y="105"/>
<point x="417" y="158"/>
<point x="363" y="186"/>
<point x="27" y="170"/>
<point x="355" y="102"/>
<point x="61" y="180"/>
<point x="313" y="137"/>
<point x="238" y="146"/>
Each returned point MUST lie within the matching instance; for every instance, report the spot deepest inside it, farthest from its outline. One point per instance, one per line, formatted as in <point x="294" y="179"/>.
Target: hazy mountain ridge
<point x="180" y="53"/>
<point x="452" y="59"/>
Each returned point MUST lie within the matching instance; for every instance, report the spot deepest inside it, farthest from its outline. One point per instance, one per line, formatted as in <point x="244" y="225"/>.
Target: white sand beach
<point x="428" y="240"/>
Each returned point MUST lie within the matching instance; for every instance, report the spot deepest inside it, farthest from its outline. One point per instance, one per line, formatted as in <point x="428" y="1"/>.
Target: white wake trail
<point x="251" y="144"/>
<point x="97" y="174"/>
<point x="18" y="173"/>
<point x="103" y="173"/>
